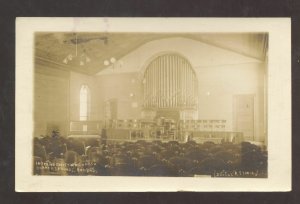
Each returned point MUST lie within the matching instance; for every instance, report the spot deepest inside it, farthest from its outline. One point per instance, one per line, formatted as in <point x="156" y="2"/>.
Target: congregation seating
<point x="86" y="156"/>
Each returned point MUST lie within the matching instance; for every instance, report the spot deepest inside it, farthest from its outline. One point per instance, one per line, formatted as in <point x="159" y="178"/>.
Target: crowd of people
<point x="57" y="155"/>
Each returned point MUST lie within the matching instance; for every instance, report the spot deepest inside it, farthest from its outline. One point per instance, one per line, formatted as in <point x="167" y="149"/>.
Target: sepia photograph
<point x="150" y="104"/>
<point x="140" y="103"/>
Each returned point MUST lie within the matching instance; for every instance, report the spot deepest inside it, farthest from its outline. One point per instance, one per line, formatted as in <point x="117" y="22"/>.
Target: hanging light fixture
<point x="106" y="62"/>
<point x="83" y="58"/>
<point x="111" y="61"/>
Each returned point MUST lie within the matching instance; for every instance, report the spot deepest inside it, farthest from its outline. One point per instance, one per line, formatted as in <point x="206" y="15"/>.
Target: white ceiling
<point x="54" y="47"/>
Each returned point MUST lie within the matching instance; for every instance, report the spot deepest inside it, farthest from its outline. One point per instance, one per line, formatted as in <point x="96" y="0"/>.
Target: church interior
<point x="150" y="104"/>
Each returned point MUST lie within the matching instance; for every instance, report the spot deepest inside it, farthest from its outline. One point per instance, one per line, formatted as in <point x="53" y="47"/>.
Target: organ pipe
<point x="160" y="86"/>
<point x="163" y="83"/>
<point x="181" y="73"/>
<point x="175" y="82"/>
<point x="156" y="83"/>
<point x="183" y="85"/>
<point x="190" y="89"/>
<point x="151" y="86"/>
<point x="166" y="81"/>
<point x="146" y="93"/>
<point x="170" y="82"/>
<point x="165" y="96"/>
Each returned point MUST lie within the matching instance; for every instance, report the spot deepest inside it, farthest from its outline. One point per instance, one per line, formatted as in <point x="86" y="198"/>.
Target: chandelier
<point x="80" y="58"/>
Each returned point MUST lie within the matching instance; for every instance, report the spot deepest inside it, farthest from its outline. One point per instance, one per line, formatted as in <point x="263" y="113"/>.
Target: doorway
<point x="243" y="115"/>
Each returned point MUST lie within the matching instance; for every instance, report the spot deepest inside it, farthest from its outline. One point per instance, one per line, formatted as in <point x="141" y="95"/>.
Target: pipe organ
<point x="170" y="82"/>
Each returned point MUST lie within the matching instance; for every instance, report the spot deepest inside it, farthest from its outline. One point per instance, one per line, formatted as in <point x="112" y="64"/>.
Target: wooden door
<point x="244" y="115"/>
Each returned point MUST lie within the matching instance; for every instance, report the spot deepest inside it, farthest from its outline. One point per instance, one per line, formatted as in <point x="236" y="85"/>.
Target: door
<point x="244" y="115"/>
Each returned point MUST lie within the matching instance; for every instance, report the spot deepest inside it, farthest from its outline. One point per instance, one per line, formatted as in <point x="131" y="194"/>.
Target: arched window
<point x="84" y="102"/>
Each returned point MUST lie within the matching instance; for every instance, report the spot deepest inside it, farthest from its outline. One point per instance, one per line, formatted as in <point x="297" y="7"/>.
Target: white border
<point x="279" y="104"/>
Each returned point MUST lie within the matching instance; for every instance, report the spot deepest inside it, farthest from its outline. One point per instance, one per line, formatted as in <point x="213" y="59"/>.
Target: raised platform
<point x="180" y="136"/>
<point x="84" y="136"/>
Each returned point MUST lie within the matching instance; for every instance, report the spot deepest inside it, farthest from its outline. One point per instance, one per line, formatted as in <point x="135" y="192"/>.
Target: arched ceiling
<point x="53" y="48"/>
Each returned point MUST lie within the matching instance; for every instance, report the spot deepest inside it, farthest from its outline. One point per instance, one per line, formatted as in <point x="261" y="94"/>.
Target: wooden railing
<point x="85" y="127"/>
